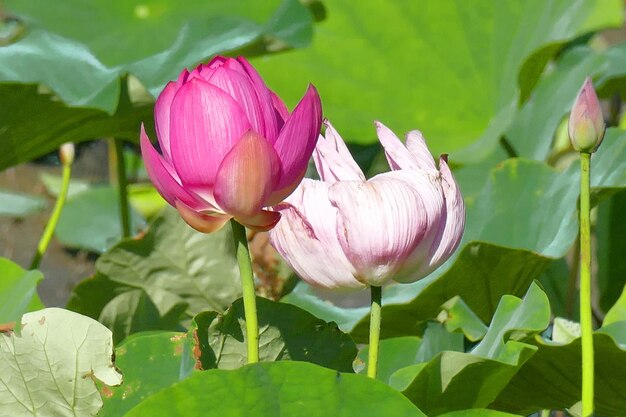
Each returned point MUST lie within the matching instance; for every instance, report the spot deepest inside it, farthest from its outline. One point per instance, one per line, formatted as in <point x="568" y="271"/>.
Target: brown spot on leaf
<point x="197" y="352"/>
<point x="7" y="327"/>
<point x="106" y="392"/>
<point x="177" y="337"/>
<point x="42" y="320"/>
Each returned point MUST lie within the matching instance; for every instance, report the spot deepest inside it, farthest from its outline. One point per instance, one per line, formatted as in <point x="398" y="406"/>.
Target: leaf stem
<point x="249" y="295"/>
<point x="122" y="183"/>
<point x="375" y="316"/>
<point x="585" y="287"/>
<point x="54" y="217"/>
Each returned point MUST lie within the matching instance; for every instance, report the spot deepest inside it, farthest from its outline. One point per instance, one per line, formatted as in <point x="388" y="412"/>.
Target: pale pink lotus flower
<point x="586" y="124"/>
<point x="348" y="232"/>
<point x="229" y="146"/>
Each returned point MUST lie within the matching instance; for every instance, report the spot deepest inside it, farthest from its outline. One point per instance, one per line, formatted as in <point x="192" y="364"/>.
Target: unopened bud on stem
<point x="586" y="124"/>
<point x="66" y="153"/>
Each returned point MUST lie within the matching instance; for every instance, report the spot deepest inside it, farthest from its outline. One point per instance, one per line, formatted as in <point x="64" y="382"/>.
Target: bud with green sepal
<point x="586" y="124"/>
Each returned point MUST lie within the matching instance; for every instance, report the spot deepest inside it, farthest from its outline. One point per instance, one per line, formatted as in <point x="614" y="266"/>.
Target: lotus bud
<point x="229" y="148"/>
<point x="66" y="153"/>
<point x="586" y="124"/>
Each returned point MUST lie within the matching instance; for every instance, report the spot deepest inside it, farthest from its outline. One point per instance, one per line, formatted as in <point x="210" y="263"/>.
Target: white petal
<point x="316" y="257"/>
<point x="333" y="159"/>
<point x="381" y="222"/>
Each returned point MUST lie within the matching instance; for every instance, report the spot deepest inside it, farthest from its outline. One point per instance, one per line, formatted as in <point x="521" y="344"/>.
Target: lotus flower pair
<point x="230" y="149"/>
<point x="229" y="146"/>
<point x="348" y="232"/>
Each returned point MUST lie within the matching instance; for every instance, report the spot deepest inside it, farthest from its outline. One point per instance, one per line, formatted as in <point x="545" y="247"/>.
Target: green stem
<point x="375" y="316"/>
<point x="249" y="295"/>
<point x="54" y="217"/>
<point x="545" y="413"/>
<point x="585" y="287"/>
<point x="122" y="183"/>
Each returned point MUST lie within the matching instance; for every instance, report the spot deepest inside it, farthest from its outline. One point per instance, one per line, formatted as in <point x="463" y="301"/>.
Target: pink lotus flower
<point x="229" y="146"/>
<point x="346" y="231"/>
<point x="586" y="123"/>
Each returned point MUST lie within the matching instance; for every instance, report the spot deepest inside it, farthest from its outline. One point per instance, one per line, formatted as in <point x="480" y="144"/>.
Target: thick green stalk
<point x="585" y="287"/>
<point x="122" y="185"/>
<point x="249" y="295"/>
<point x="54" y="217"/>
<point x="375" y="316"/>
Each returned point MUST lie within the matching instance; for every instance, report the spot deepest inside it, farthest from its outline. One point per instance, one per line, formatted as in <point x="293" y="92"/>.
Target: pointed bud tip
<point x="586" y="124"/>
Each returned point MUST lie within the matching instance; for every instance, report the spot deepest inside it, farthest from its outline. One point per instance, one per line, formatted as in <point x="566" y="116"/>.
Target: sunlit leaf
<point x="279" y="389"/>
<point x="18" y="291"/>
<point x="51" y="367"/>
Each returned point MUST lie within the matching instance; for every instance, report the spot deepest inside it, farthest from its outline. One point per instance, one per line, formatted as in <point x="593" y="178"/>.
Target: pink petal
<point x="315" y="261"/>
<point x="205" y="223"/>
<point x="298" y="136"/>
<point x="451" y="231"/>
<point x="205" y="125"/>
<point x="333" y="159"/>
<point x="247" y="177"/>
<point x="162" y="117"/>
<point x="281" y="110"/>
<point x="395" y="151"/>
<point x="419" y="262"/>
<point x="273" y="122"/>
<point x="416" y="145"/>
<point x="279" y="195"/>
<point x="164" y="177"/>
<point x="380" y="223"/>
<point x="261" y="222"/>
<point x="259" y="110"/>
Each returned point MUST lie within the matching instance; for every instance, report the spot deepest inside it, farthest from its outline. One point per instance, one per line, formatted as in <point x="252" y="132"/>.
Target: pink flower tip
<point x="586" y="124"/>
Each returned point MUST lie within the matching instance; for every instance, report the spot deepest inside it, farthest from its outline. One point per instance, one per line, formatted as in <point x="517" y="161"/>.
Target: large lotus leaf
<point x="153" y="40"/>
<point x="133" y="311"/>
<point x="171" y="264"/>
<point x="91" y="220"/>
<point x="393" y="353"/>
<point x="278" y="389"/>
<point x="560" y="286"/>
<point x="35" y="124"/>
<point x="610" y="232"/>
<point x="554" y="95"/>
<point x="14" y="204"/>
<point x="448" y="68"/>
<point x="456" y="380"/>
<point x="51" y="367"/>
<point x="534" y="388"/>
<point x="18" y="291"/>
<point x="402" y="352"/>
<point x="478" y="412"/>
<point x="458" y="317"/>
<point x="617" y="313"/>
<point x="286" y="332"/>
<point x="526" y="204"/>
<point x="149" y="362"/>
<point x="493" y="269"/>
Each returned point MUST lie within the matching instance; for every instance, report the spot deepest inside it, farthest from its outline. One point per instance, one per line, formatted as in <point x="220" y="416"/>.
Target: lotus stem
<point x="249" y="295"/>
<point x="375" y="317"/>
<point x="122" y="185"/>
<point x="66" y="163"/>
<point x="586" y="325"/>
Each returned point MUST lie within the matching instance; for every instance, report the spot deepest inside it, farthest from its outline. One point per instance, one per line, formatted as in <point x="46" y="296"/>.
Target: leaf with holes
<point x="51" y="366"/>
